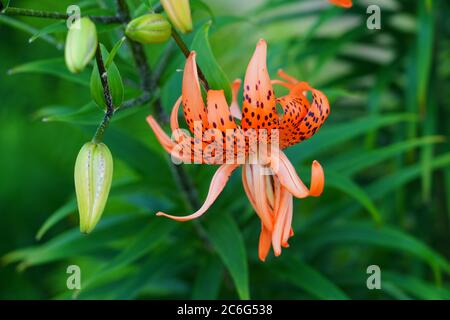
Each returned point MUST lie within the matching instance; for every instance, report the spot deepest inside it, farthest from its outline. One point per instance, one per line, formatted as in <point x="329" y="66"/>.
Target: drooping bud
<point x="149" y="28"/>
<point x="114" y="81"/>
<point x="81" y="43"/>
<point x="93" y="177"/>
<point x="179" y="13"/>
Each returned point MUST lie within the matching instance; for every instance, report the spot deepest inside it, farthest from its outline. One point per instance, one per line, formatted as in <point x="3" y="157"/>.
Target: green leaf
<point x="227" y="240"/>
<point x="154" y="232"/>
<point x="4" y="4"/>
<point x="88" y="114"/>
<point x="114" y="51"/>
<point x="208" y="280"/>
<point x="201" y="5"/>
<point x="299" y="274"/>
<point x="385" y="237"/>
<point x="216" y="77"/>
<point x="349" y="164"/>
<point x="425" y="40"/>
<point x="114" y="81"/>
<point x="59" y="26"/>
<point x="29" y="29"/>
<point x="56" y="217"/>
<point x="385" y="185"/>
<point x="331" y="136"/>
<point x="347" y="186"/>
<point x="73" y="243"/>
<point x="55" y="67"/>
<point x="416" y="286"/>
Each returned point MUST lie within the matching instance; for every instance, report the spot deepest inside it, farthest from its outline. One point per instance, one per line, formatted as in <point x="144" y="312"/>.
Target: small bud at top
<point x="179" y="13"/>
<point x="149" y="28"/>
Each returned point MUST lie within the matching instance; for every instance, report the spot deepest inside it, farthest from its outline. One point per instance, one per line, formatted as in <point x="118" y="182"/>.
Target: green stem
<point x="183" y="47"/>
<point x="149" y="84"/>
<point x="11" y="11"/>
<point x="98" y="137"/>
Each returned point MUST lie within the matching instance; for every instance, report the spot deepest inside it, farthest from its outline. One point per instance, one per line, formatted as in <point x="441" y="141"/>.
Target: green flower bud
<point x="93" y="177"/>
<point x="179" y="13"/>
<point x="114" y="81"/>
<point x="81" y="44"/>
<point x="149" y="28"/>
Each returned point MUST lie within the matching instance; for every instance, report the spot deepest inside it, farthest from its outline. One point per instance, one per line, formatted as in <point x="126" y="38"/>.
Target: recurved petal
<point x="316" y="116"/>
<point x="218" y="183"/>
<point x="283" y="210"/>
<point x="167" y="143"/>
<point x="289" y="179"/>
<point x="317" y="179"/>
<point x="193" y="105"/>
<point x="162" y="137"/>
<point x="287" y="230"/>
<point x="264" y="243"/>
<point x="174" y="115"/>
<point x="295" y="107"/>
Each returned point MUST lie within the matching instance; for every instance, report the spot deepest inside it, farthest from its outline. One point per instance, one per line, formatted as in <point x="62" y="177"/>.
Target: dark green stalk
<point x="11" y="11"/>
<point x="183" y="47"/>
<point x="98" y="137"/>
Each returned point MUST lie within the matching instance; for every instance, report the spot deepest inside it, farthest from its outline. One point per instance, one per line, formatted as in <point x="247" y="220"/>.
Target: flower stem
<point x="183" y="47"/>
<point x="12" y="11"/>
<point x="109" y="113"/>
<point x="149" y="84"/>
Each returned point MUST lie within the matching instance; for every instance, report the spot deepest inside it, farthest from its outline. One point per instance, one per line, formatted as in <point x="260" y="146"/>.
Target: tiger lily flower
<point x="270" y="194"/>
<point x="342" y="3"/>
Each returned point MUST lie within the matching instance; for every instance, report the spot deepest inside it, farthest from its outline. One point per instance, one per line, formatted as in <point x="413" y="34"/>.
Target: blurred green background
<point x="384" y="149"/>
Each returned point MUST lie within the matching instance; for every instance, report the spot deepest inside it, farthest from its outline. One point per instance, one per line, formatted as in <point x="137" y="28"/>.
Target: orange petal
<point x="162" y="137"/>
<point x="317" y="179"/>
<point x="259" y="183"/>
<point x="287" y="225"/>
<point x="342" y="3"/>
<point x="264" y="243"/>
<point x="316" y="116"/>
<point x="167" y="143"/>
<point x="285" y="76"/>
<point x="193" y="105"/>
<point x="258" y="107"/>
<point x="289" y="179"/>
<point x="248" y="185"/>
<point x="219" y="115"/>
<point x="234" y="108"/>
<point x="295" y="107"/>
<point x="254" y="186"/>
<point x="174" y="115"/>
<point x="218" y="182"/>
<point x="277" y="235"/>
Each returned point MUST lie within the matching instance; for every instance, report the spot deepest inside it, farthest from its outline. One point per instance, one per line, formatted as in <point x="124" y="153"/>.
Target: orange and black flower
<point x="270" y="180"/>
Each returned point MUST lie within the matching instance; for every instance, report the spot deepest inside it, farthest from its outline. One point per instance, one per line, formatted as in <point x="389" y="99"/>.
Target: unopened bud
<point x="179" y="13"/>
<point x="81" y="43"/>
<point x="149" y="28"/>
<point x="93" y="177"/>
